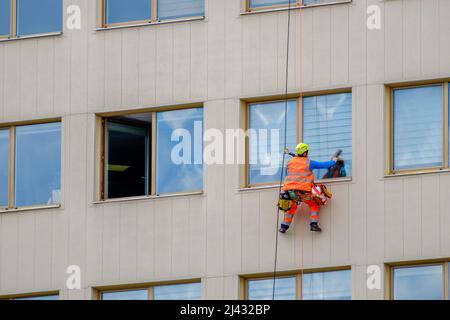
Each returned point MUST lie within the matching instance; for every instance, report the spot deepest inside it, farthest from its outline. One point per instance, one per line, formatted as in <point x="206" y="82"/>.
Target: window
<point x="418" y="128"/>
<point x="335" y="285"/>
<point x="330" y="285"/>
<point x="255" y="5"/>
<point x="126" y="12"/>
<point x="266" y="139"/>
<point x="4" y="167"/>
<point x="183" y="291"/>
<point x="30" y="17"/>
<point x="45" y="297"/>
<point x="285" y="289"/>
<point x="5" y="18"/>
<point x="326" y="126"/>
<point x="152" y="153"/>
<point x="418" y="282"/>
<point x="30" y="170"/>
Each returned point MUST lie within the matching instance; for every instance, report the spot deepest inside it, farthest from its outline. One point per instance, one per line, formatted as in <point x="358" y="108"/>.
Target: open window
<point x="258" y="5"/>
<point x="151" y="153"/>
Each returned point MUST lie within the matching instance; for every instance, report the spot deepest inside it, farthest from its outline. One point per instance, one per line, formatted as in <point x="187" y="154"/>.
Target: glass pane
<point x="38" y="164"/>
<point x="267" y="3"/>
<point x="118" y="11"/>
<point x="5" y="17"/>
<point x="126" y="295"/>
<point x="52" y="297"/>
<point x="35" y="17"/>
<point x="127" y="159"/>
<point x="175" y="9"/>
<point x="419" y="283"/>
<point x="4" y="167"/>
<point x="327" y="127"/>
<point x="179" y="151"/>
<point x="418" y="128"/>
<point x="189" y="291"/>
<point x="310" y="2"/>
<point x="285" y="289"/>
<point x="266" y="141"/>
<point x="333" y="285"/>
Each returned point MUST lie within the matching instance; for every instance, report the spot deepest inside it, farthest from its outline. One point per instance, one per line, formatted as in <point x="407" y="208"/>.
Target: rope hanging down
<point x="284" y="145"/>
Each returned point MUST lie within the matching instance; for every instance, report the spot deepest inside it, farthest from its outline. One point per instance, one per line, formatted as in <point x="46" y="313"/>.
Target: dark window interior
<point x="127" y="155"/>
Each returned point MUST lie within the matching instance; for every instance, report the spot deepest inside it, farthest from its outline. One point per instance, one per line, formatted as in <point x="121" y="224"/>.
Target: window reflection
<point x="285" y="289"/>
<point x="332" y="285"/>
<point x="327" y="127"/>
<point x="264" y="164"/>
<point x="118" y="11"/>
<point x="179" y="169"/>
<point x="5" y="16"/>
<point x="35" y="17"/>
<point x="417" y="127"/>
<point x="4" y="167"/>
<point x="268" y="3"/>
<point x="175" y="9"/>
<point x="418" y="283"/>
<point x="37" y="164"/>
<point x="126" y="295"/>
<point x="188" y="291"/>
<point x="49" y="297"/>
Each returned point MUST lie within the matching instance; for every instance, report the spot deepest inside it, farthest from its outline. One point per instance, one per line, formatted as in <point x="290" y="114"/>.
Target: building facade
<point x="370" y="77"/>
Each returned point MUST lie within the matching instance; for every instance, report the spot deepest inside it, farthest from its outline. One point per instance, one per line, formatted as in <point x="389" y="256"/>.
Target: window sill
<point x="273" y="186"/>
<point x="125" y="26"/>
<point x="174" y="195"/>
<point x="33" y="36"/>
<point x="262" y="10"/>
<point x="31" y="208"/>
<point x="416" y="173"/>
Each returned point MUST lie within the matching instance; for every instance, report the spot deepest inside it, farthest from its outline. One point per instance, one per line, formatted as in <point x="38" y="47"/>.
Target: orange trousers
<point x="314" y="210"/>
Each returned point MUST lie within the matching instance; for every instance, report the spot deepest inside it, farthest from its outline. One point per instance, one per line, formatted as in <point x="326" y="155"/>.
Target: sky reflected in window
<point x="118" y="11"/>
<point x="176" y="9"/>
<point x="184" y="172"/>
<point x="332" y="285"/>
<point x="141" y="294"/>
<point x="4" y="167"/>
<point x="264" y="164"/>
<point x="187" y="291"/>
<point x="419" y="283"/>
<point x="38" y="164"/>
<point x="285" y="289"/>
<point x="5" y="17"/>
<point x="267" y="3"/>
<point x="36" y="17"/>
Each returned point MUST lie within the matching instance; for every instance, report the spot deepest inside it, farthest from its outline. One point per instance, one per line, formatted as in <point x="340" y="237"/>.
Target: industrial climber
<point x="299" y="187"/>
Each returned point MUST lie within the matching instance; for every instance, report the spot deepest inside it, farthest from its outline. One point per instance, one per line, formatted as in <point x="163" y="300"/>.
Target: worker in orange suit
<point x="299" y="177"/>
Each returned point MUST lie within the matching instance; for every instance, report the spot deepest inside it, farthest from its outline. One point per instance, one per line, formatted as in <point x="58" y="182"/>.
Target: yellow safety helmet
<point x="301" y="148"/>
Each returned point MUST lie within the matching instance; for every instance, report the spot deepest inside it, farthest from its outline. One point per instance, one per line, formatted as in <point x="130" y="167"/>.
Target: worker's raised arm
<point x="321" y="165"/>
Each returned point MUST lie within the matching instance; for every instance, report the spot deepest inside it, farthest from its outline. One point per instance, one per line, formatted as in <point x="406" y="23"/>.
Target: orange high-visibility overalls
<point x="299" y="177"/>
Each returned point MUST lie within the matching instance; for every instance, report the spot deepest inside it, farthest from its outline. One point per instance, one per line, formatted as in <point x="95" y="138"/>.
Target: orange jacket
<point x="299" y="176"/>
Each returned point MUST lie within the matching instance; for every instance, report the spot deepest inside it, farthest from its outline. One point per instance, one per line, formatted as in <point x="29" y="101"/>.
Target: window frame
<point x="389" y="127"/>
<point x="99" y="291"/>
<point x="11" y="164"/>
<point x="298" y="275"/>
<point x="389" y="292"/>
<point x="101" y="158"/>
<point x="13" y="26"/>
<point x="153" y="17"/>
<point x="31" y="295"/>
<point x="245" y="124"/>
